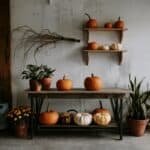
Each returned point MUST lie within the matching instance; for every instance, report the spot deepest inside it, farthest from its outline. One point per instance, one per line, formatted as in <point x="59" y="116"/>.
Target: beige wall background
<point x="66" y="17"/>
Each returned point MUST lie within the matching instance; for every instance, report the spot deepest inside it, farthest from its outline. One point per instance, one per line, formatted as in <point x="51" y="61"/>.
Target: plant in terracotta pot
<point x="33" y="73"/>
<point x="18" y="118"/>
<point x="138" y="107"/>
<point x="46" y="73"/>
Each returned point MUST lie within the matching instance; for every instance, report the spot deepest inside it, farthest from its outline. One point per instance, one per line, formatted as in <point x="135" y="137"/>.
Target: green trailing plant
<point x="46" y="71"/>
<point x="138" y="106"/>
<point x="32" y="72"/>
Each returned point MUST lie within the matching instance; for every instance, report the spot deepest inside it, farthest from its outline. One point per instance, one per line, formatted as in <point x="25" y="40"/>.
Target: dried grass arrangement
<point x="33" y="40"/>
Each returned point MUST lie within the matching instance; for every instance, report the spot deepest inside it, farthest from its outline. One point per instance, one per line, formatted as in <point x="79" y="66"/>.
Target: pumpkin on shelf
<point x="93" y="83"/>
<point x="116" y="46"/>
<point x="119" y="23"/>
<point x="64" y="84"/>
<point x="83" y="119"/>
<point x="101" y="116"/>
<point x="108" y="25"/>
<point x="50" y="117"/>
<point x="67" y="117"/>
<point x="93" y="46"/>
<point x="91" y="23"/>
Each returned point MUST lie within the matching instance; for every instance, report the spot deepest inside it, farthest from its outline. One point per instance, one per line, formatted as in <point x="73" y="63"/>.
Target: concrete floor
<point x="76" y="142"/>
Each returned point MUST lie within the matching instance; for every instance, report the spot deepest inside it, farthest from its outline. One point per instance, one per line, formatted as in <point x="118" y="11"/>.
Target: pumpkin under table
<point x="113" y="94"/>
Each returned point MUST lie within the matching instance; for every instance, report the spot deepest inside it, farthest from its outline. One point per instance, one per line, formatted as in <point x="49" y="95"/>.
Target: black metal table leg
<point x="120" y="119"/>
<point x="32" y="118"/>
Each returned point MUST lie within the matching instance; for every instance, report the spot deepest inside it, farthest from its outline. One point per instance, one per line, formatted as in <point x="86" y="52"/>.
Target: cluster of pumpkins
<point x="93" y="23"/>
<point x="96" y="46"/>
<point x="99" y="116"/>
<point x="90" y="83"/>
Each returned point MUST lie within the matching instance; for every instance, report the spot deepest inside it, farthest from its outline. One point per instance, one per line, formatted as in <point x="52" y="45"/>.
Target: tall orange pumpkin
<point x="64" y="84"/>
<point x="93" y="83"/>
<point x="91" y="23"/>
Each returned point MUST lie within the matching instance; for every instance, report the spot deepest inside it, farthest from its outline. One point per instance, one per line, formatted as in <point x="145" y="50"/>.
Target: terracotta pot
<point x="35" y="85"/>
<point x="46" y="83"/>
<point x="21" y="129"/>
<point x="137" y="127"/>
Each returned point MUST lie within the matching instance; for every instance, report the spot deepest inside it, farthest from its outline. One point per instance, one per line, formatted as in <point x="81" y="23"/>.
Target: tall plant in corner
<point x="138" y="107"/>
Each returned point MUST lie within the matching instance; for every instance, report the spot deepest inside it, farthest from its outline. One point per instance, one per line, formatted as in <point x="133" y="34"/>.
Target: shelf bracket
<point x="85" y="56"/>
<point x="120" y="36"/>
<point x="120" y="57"/>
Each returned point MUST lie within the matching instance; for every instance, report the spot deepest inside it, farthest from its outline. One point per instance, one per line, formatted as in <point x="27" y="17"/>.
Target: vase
<point x="21" y="129"/>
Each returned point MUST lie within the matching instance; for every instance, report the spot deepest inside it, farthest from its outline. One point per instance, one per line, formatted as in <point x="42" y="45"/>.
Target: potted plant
<point x="138" y="107"/>
<point x="34" y="74"/>
<point x="18" y="118"/>
<point x="46" y="76"/>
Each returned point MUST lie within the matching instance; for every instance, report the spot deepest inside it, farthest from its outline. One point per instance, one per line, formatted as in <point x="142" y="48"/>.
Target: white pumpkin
<point x="116" y="46"/>
<point x="105" y="47"/>
<point x="83" y="119"/>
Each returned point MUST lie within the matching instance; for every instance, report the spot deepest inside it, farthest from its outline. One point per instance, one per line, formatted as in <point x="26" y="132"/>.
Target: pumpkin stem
<point x="64" y="77"/>
<point x="101" y="105"/>
<point x="88" y="16"/>
<point x="119" y="18"/>
<point x="92" y="74"/>
<point x="48" y="106"/>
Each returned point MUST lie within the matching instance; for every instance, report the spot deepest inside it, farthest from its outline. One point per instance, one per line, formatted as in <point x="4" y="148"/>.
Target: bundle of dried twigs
<point x="36" y="40"/>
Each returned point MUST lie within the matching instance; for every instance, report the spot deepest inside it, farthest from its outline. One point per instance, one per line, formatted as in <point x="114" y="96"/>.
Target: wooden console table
<point x="113" y="94"/>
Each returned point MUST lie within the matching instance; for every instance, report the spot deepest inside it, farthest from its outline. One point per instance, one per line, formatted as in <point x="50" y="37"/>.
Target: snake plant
<point x="138" y="100"/>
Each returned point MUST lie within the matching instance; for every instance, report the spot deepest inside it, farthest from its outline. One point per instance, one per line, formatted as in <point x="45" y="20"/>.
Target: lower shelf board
<point x="59" y="126"/>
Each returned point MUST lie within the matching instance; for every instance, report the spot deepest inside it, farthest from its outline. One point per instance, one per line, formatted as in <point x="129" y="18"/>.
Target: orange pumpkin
<point x="93" y="83"/>
<point x="101" y="116"/>
<point x="92" y="46"/>
<point x="64" y="84"/>
<point x="49" y="118"/>
<point x="91" y="23"/>
<point x="108" y="25"/>
<point x="119" y="23"/>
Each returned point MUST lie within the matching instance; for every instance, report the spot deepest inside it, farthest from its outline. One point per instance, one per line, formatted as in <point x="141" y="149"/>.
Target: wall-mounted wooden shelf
<point x="120" y="31"/>
<point x="118" y="52"/>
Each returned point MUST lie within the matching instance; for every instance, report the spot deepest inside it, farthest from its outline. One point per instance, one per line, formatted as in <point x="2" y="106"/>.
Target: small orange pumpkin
<point x="91" y="23"/>
<point x="64" y="84"/>
<point x="93" y="83"/>
<point x="49" y="118"/>
<point x="92" y="46"/>
<point x="108" y="25"/>
<point x="101" y="116"/>
<point x="119" y="23"/>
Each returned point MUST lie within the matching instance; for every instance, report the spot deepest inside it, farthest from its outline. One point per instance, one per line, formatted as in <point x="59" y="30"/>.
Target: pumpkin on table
<point x="83" y="119"/>
<point x="50" y="117"/>
<point x="91" y="23"/>
<point x="64" y="84"/>
<point x="93" y="83"/>
<point x="101" y="116"/>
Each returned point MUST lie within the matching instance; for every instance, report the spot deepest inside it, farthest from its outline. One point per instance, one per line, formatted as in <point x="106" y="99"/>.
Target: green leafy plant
<point x="138" y="107"/>
<point x="46" y="71"/>
<point x="32" y="72"/>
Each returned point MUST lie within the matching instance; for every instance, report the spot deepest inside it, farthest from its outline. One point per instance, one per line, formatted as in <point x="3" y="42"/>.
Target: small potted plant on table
<point x="33" y="73"/>
<point x="138" y="108"/>
<point x="18" y="118"/>
<point x="47" y="74"/>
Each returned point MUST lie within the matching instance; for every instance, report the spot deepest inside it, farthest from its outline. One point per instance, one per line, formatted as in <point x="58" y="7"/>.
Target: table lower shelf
<point x="76" y="127"/>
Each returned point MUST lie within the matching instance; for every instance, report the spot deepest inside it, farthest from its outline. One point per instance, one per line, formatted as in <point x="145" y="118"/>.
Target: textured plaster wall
<point x="67" y="17"/>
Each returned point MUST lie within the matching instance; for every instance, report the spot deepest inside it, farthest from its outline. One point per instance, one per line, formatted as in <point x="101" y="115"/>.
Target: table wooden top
<point x="83" y="91"/>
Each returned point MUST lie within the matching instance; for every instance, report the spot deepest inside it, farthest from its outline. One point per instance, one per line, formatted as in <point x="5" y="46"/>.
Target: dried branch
<point x="31" y="39"/>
